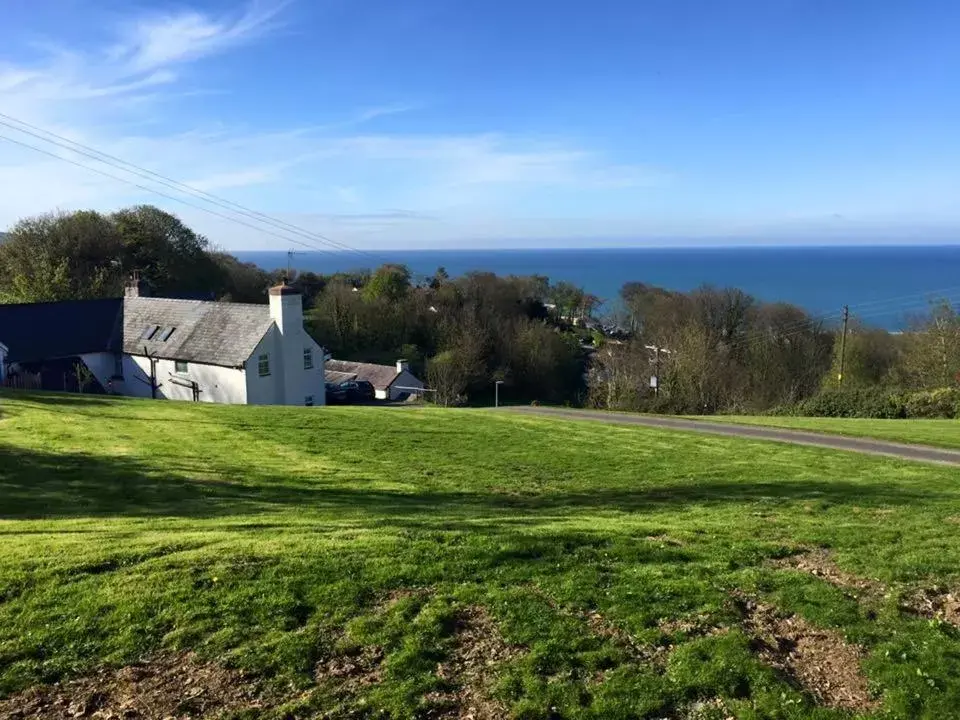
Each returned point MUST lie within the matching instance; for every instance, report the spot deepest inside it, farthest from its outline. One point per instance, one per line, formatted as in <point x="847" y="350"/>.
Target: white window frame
<point x="308" y="358"/>
<point x="263" y="365"/>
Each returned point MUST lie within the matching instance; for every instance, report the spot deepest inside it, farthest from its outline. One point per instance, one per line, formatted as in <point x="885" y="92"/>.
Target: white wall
<point x="288" y="383"/>
<point x="266" y="390"/>
<point x="217" y="384"/>
<point x="3" y="361"/>
<point x="103" y="366"/>
<point x="403" y="380"/>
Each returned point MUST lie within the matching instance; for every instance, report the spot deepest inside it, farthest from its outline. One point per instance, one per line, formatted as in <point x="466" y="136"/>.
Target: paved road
<point x="903" y="451"/>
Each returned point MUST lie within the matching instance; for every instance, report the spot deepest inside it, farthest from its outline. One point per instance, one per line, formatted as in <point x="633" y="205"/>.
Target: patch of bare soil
<point x="637" y="651"/>
<point x="478" y="649"/>
<point x="820" y="563"/>
<point x="169" y="687"/>
<point x="712" y="709"/>
<point x="820" y="661"/>
<point x="935" y="603"/>
<point x="350" y="672"/>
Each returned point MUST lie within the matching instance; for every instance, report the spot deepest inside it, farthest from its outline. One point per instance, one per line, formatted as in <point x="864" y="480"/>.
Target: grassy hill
<point x="939" y="433"/>
<point x="356" y="562"/>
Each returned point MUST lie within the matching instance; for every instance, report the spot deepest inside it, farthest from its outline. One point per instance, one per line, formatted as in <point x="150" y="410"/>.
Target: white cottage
<point x="176" y="349"/>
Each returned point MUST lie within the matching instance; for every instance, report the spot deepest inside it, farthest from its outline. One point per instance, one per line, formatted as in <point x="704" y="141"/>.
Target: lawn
<point x="401" y="563"/>
<point x="940" y="433"/>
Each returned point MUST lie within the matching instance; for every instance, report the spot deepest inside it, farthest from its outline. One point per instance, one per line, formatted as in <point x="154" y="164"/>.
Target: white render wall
<point x="288" y="382"/>
<point x="266" y="390"/>
<point x="217" y="384"/>
<point x="403" y="380"/>
<point x="3" y="361"/>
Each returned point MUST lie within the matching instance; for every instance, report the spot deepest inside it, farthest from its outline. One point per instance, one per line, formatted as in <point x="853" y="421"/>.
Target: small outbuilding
<point x="390" y="382"/>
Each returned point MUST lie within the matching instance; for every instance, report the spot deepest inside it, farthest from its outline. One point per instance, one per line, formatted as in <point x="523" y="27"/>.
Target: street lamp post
<point x="496" y="393"/>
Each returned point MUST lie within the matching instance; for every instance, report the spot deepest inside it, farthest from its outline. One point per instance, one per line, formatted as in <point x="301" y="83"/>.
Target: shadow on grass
<point x="36" y="484"/>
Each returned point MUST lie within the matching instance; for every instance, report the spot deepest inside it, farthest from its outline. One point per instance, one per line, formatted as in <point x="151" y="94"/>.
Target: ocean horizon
<point x="884" y="286"/>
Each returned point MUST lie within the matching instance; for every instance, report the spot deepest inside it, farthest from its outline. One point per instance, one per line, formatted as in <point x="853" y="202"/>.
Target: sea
<point x="884" y="286"/>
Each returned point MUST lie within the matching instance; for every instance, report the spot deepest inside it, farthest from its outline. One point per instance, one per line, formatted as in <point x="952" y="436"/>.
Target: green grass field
<point x="358" y="562"/>
<point x="939" y="433"/>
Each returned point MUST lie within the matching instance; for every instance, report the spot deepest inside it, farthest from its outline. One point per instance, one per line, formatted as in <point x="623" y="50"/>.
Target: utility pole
<point x="290" y="254"/>
<point x="655" y="380"/>
<point x="843" y="344"/>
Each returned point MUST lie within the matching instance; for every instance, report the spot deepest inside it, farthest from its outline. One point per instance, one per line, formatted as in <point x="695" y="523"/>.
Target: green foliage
<point x="938" y="403"/>
<point x="853" y="402"/>
<point x="274" y="539"/>
<point x="88" y="255"/>
<point x="388" y="282"/>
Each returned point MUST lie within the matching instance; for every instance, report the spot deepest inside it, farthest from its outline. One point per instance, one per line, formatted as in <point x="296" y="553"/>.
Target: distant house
<point x="391" y="382"/>
<point x="165" y="348"/>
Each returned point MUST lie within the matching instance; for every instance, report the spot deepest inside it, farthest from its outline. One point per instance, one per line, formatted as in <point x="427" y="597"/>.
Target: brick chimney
<point x="134" y="287"/>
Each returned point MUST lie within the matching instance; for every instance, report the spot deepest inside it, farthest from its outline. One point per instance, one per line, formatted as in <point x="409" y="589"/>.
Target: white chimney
<point x="286" y="309"/>
<point x="402" y="366"/>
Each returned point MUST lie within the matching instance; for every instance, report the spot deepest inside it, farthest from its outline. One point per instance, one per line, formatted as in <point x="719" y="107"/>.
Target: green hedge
<point x="876" y="402"/>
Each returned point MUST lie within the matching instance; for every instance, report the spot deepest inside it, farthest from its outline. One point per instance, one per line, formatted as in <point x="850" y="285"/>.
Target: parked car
<point x="356" y="391"/>
<point x="335" y="394"/>
<point x="365" y="391"/>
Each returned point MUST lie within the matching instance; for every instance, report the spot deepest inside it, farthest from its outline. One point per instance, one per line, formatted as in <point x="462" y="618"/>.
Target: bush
<point x="939" y="403"/>
<point x="872" y="402"/>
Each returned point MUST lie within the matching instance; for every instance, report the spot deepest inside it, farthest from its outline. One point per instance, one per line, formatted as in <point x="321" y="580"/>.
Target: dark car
<point x="365" y="391"/>
<point x="356" y="391"/>
<point x="335" y="394"/>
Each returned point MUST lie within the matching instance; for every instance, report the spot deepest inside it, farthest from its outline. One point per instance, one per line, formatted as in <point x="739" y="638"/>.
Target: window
<point x="165" y="335"/>
<point x="180" y="366"/>
<point x="149" y="332"/>
<point x="308" y="401"/>
<point x="263" y="365"/>
<point x="307" y="359"/>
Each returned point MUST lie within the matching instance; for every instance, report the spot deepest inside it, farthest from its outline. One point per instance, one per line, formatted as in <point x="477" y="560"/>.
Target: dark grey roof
<point x="380" y="376"/>
<point x="204" y="332"/>
<point x="34" y="332"/>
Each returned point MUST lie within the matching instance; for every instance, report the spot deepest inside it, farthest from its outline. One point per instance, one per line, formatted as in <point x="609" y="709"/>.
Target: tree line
<point x="710" y="350"/>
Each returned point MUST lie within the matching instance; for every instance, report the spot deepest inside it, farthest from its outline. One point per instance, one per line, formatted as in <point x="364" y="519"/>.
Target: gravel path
<point x="904" y="451"/>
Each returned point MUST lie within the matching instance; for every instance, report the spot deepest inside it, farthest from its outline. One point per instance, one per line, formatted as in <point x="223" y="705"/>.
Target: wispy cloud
<point x="384" y="110"/>
<point x="361" y="183"/>
<point x="163" y="40"/>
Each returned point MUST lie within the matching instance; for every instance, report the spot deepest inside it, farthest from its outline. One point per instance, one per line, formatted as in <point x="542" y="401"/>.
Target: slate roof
<point x="380" y="376"/>
<point x="34" y="332"/>
<point x="203" y="332"/>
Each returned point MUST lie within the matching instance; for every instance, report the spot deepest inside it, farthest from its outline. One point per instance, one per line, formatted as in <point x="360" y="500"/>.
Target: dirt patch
<point x="164" y="688"/>
<point x="819" y="661"/>
<point x="351" y="671"/>
<point x="636" y="651"/>
<point x="935" y="603"/>
<point x="665" y="540"/>
<point x="478" y="649"/>
<point x="821" y="563"/>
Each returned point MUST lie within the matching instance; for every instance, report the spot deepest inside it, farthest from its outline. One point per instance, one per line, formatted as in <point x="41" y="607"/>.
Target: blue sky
<point x="432" y="123"/>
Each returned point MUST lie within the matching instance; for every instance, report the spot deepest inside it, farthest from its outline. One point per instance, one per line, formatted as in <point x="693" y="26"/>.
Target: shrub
<point x="869" y="402"/>
<point x="939" y="403"/>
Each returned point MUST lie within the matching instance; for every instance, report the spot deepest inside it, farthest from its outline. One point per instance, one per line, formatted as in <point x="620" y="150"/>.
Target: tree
<point x="171" y="258"/>
<point x="448" y="375"/>
<point x="932" y="349"/>
<point x="388" y="282"/>
<point x="61" y="256"/>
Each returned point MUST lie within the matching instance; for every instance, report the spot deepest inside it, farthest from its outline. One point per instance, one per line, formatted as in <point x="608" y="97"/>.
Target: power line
<point x="152" y="176"/>
<point x="158" y="192"/>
